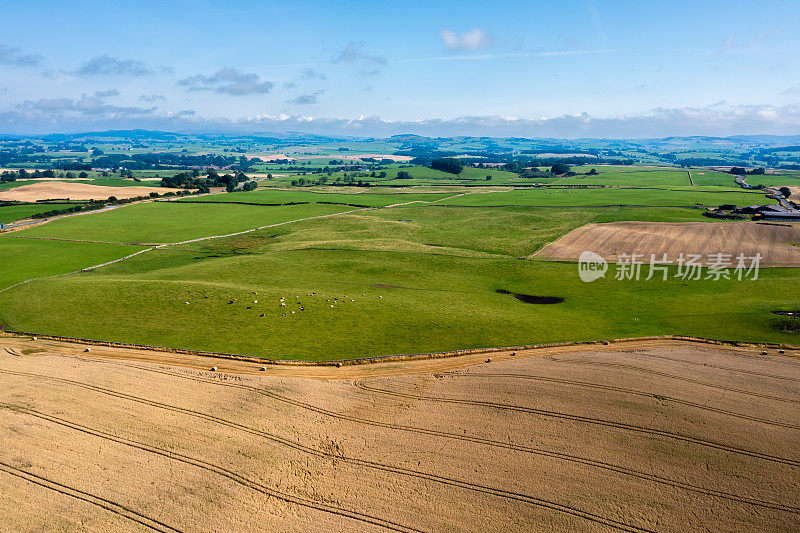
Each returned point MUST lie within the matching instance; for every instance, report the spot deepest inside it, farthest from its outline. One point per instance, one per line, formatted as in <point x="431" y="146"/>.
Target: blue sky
<point x="570" y="68"/>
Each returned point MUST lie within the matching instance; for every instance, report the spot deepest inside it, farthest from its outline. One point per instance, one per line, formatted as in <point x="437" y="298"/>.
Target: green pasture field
<point x="679" y="197"/>
<point x="421" y="279"/>
<point x="11" y="213"/>
<point x="774" y="180"/>
<point x="166" y="222"/>
<point x="379" y="197"/>
<point x="23" y="258"/>
<point x="12" y="184"/>
<point x="643" y="178"/>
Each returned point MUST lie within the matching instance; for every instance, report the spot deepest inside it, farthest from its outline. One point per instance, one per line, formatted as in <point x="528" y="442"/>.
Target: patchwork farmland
<point x="295" y="350"/>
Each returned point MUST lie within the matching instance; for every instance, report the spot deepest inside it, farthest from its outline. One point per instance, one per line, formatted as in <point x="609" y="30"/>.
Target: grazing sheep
<point x="331" y="307"/>
<point x="187" y="303"/>
<point x="380" y="296"/>
<point x="292" y="312"/>
<point x="255" y="301"/>
<point x="261" y="315"/>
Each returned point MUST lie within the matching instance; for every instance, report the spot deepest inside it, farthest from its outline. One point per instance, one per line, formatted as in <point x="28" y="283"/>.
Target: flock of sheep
<point x="332" y="302"/>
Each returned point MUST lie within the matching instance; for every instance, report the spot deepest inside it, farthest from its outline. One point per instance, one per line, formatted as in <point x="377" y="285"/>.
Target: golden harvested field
<point x="776" y="242"/>
<point x="46" y="190"/>
<point x="638" y="436"/>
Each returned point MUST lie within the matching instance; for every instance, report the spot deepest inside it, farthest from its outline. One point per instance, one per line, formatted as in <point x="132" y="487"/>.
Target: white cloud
<point x="228" y="81"/>
<point x="10" y="55"/>
<point x="476" y="39"/>
<point x="90" y="112"/>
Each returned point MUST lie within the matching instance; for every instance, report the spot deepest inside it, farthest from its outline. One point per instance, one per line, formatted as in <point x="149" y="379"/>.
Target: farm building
<point x="761" y="209"/>
<point x="788" y="216"/>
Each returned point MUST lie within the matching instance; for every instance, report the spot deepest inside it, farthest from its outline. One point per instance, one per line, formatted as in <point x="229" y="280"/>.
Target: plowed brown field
<point x="777" y="243"/>
<point x="48" y="190"/>
<point x="641" y="436"/>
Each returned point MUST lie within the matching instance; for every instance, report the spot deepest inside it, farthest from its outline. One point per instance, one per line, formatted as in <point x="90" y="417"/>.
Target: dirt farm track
<point x="638" y="436"/>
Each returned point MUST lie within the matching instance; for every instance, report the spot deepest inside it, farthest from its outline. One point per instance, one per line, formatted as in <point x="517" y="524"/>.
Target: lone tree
<point x="559" y="168"/>
<point x="448" y="164"/>
<point x="785" y="192"/>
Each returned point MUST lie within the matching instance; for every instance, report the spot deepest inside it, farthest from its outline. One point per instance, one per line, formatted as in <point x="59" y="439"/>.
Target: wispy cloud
<point x="482" y="57"/>
<point x="476" y="39"/>
<point x="306" y="99"/>
<point x="151" y="97"/>
<point x="309" y="73"/>
<point x="87" y="105"/>
<point x="354" y="53"/>
<point x="10" y="55"/>
<point x="104" y="65"/>
<point x="228" y="81"/>
<point x="734" y="45"/>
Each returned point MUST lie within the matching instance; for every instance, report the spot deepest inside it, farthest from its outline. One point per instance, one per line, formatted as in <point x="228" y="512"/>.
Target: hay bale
<point x="87" y="349"/>
<point x="488" y="359"/>
<point x="213" y="369"/>
<point x="338" y="365"/>
<point x="764" y="352"/>
<point x="33" y="338"/>
<point x="781" y="351"/>
<point x="513" y="354"/>
<point x="263" y="369"/>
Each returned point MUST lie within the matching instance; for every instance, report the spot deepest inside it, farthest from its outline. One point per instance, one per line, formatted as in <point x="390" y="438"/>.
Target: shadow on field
<point x="531" y="299"/>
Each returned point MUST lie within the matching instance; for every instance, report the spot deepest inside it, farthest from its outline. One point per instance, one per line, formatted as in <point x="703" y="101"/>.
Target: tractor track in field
<point x="472" y="439"/>
<point x="507" y="494"/>
<point x="720" y="367"/>
<point x="215" y="469"/>
<point x="586" y="420"/>
<point x="623" y="390"/>
<point x="680" y="378"/>
<point x="108" y="505"/>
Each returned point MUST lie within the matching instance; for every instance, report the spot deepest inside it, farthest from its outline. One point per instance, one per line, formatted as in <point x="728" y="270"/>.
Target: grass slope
<point x="164" y="222"/>
<point x="22" y="259"/>
<point x="422" y="279"/>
